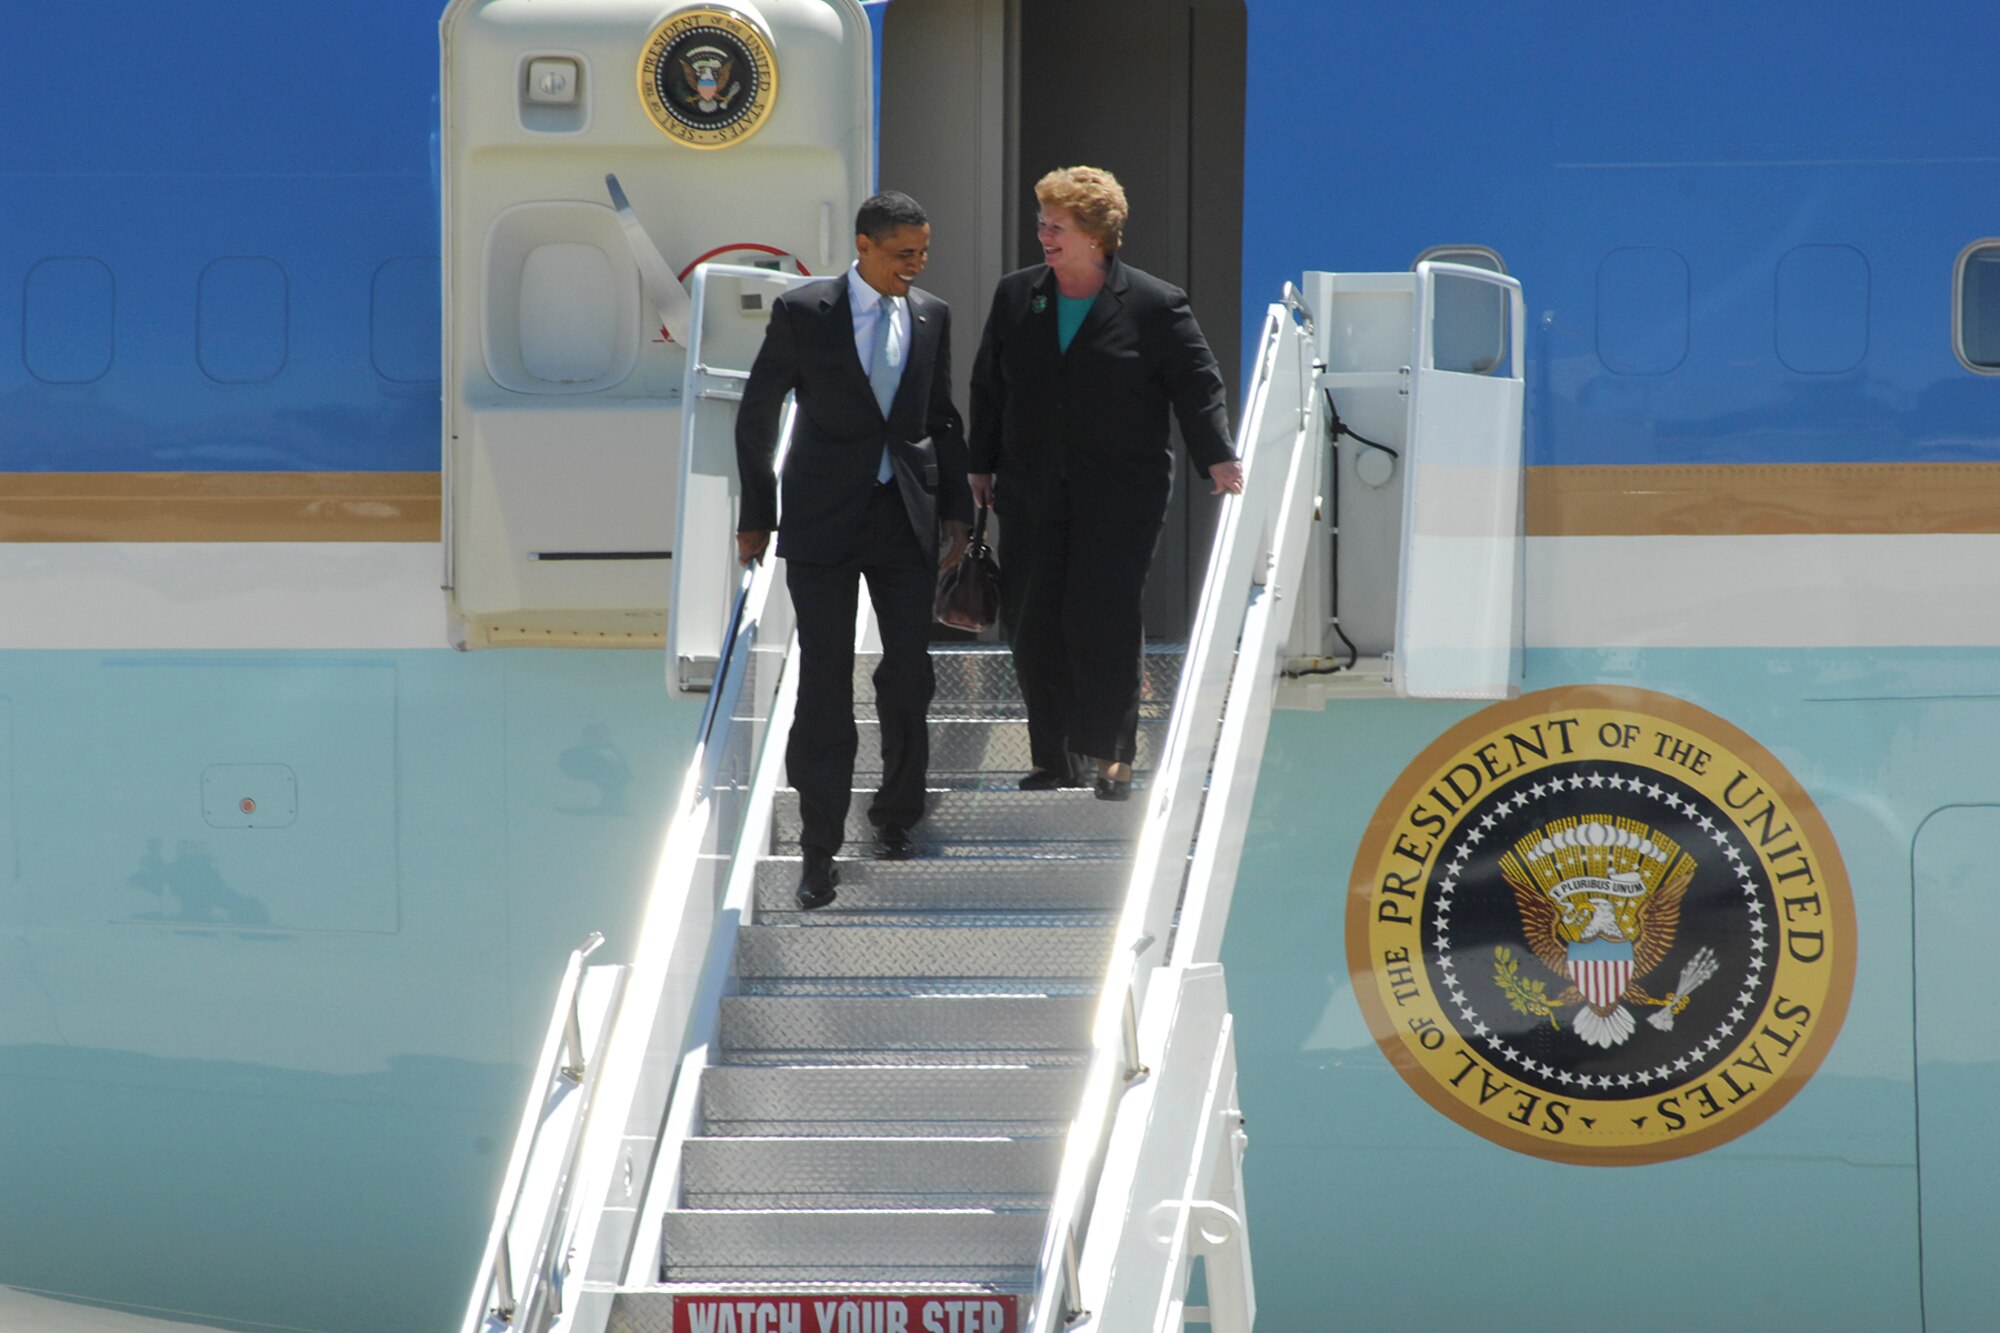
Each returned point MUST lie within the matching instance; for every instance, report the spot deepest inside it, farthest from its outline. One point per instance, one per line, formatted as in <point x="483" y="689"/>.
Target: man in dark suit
<point x="877" y="458"/>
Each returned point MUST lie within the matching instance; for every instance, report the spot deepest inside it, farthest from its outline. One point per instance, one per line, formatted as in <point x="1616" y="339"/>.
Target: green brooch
<point x="1039" y="304"/>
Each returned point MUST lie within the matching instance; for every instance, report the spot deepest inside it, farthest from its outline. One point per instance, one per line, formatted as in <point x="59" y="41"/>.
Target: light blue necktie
<point x="884" y="371"/>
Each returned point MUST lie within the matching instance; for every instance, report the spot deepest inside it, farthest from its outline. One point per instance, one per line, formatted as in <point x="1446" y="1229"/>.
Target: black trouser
<point x="819" y="753"/>
<point x="1072" y="576"/>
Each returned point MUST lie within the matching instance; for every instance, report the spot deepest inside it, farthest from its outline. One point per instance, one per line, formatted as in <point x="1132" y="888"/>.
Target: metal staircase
<point x="989" y="1090"/>
<point x="895" y="1073"/>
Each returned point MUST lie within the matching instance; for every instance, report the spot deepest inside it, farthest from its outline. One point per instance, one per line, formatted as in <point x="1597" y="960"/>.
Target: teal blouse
<point x="1070" y="311"/>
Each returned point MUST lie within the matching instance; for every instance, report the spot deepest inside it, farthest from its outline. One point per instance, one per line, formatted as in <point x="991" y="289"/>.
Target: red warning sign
<point x="795" y="1313"/>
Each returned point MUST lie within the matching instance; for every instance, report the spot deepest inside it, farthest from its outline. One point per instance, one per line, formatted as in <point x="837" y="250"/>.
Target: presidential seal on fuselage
<point x="1601" y="925"/>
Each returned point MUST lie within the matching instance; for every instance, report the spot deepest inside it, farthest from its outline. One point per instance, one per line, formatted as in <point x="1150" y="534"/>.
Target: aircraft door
<point x="1459" y="594"/>
<point x="1417" y="550"/>
<point x="1956" y="922"/>
<point x="593" y="152"/>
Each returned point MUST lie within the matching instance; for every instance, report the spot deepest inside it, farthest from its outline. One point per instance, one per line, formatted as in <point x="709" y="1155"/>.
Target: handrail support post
<point x="573" y="1057"/>
<point x="1135" y="1068"/>
<point x="503" y="1278"/>
<point x="1072" y="1279"/>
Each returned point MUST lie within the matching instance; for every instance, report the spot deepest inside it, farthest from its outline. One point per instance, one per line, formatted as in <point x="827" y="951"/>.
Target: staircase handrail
<point x="663" y="993"/>
<point x="1172" y="1170"/>
<point x="1238" y="565"/>
<point x="619" y="1093"/>
<point x="1176" y="1168"/>
<point x="564" y="1073"/>
<point x="656" y="1003"/>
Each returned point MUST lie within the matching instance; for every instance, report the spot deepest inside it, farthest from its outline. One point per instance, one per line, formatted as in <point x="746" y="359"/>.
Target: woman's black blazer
<point x="1095" y="416"/>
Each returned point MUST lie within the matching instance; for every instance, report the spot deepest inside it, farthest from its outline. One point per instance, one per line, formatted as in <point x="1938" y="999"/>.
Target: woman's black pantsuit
<point x="1079" y="446"/>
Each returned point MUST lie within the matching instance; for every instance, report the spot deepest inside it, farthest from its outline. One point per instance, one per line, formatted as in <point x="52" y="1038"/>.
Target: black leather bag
<point x="968" y="594"/>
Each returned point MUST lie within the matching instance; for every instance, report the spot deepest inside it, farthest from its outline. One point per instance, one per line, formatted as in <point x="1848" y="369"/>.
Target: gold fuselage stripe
<point x="219" y="507"/>
<point x="1763" y="499"/>
<point x="1695" y="500"/>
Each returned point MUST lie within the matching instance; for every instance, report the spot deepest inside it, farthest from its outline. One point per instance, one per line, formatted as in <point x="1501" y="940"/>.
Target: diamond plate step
<point x="849" y="1101"/>
<point x="832" y="948"/>
<point x="931" y="1030"/>
<point x="980" y="818"/>
<point x="933" y="917"/>
<point x="900" y="1172"/>
<point x="994" y="883"/>
<point x="887" y="1245"/>
<point x="1005" y="709"/>
<point x="985" y="750"/>
<point x="895" y="1075"/>
<point x="985" y="672"/>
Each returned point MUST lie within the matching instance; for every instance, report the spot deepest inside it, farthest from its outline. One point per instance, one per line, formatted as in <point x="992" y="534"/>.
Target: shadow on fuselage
<point x="195" y="884"/>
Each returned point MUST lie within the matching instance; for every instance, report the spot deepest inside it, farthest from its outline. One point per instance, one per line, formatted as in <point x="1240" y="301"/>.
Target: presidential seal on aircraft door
<point x="707" y="77"/>
<point x="1601" y="925"/>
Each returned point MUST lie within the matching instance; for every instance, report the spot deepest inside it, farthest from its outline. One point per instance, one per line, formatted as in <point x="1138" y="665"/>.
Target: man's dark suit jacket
<point x="1095" y="415"/>
<point x="837" y="440"/>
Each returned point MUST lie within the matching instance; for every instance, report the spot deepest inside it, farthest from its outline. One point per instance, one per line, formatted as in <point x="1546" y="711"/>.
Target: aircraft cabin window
<point x="1471" y="335"/>
<point x="1975" y="324"/>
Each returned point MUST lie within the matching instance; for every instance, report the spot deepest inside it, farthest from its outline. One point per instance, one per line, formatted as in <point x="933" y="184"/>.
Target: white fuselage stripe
<point x="1791" y="591"/>
<point x="221" y="595"/>
<point x="1582" y="592"/>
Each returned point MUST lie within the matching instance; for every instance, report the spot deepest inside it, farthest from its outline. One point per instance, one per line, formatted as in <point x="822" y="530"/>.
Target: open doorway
<point x="980" y="97"/>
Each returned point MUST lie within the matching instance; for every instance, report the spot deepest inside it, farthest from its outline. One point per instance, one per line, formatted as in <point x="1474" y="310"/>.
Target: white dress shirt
<point x="866" y="303"/>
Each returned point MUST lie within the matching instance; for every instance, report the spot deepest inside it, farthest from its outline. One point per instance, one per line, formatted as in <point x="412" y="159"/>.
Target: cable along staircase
<point x="989" y="1090"/>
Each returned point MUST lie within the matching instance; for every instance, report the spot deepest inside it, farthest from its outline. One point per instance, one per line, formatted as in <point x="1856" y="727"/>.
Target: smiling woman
<point x="1082" y="358"/>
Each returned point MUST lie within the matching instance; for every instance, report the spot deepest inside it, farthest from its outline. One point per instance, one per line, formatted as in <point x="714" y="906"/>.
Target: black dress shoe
<point x="816" y="882"/>
<point x="892" y="843"/>
<point x="1114" y="789"/>
<point x="1042" y="779"/>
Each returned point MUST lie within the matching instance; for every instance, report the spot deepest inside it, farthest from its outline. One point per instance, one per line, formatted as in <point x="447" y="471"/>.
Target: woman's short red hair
<point x="1092" y="196"/>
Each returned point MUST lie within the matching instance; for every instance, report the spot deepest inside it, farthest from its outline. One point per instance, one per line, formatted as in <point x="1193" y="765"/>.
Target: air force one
<point x="1558" y="891"/>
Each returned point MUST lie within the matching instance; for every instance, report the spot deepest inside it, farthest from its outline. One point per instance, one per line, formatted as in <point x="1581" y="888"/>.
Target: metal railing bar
<point x="549" y="1076"/>
<point x="544" y="1296"/>
<point x="503" y="1277"/>
<point x="716" y="978"/>
<point x="658" y="1014"/>
<point x="573" y="1066"/>
<point x="1072" y="1278"/>
<point x="594" y="1146"/>
<point x="1135" y="1067"/>
<point x="1264" y="562"/>
<point x="1161" y="861"/>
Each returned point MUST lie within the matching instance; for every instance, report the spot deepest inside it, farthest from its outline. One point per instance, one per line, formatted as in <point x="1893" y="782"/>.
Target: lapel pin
<point x="1039" y="304"/>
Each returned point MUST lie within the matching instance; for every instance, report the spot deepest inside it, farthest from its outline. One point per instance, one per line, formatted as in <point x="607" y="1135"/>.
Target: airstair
<point x="892" y="1078"/>
<point x="989" y="1090"/>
